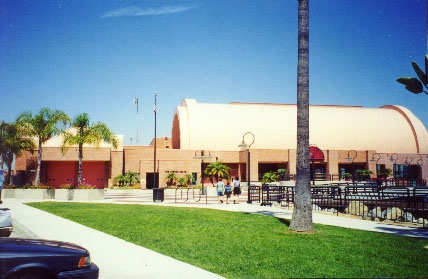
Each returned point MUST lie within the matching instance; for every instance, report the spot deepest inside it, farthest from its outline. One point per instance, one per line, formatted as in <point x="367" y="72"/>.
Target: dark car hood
<point x="23" y="244"/>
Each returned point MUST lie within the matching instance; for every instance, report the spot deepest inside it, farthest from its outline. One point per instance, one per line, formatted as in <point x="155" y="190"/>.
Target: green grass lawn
<point x="239" y="245"/>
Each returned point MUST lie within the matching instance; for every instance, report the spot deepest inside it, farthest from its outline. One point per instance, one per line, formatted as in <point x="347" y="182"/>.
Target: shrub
<point x="28" y="186"/>
<point x="120" y="180"/>
<point x="127" y="187"/>
<point x="269" y="177"/>
<point x="67" y="186"/>
<point x="283" y="174"/>
<point x="86" y="186"/>
<point x="384" y="173"/>
<point x="132" y="178"/>
<point x="181" y="181"/>
<point x="171" y="178"/>
<point x="41" y="186"/>
<point x="8" y="186"/>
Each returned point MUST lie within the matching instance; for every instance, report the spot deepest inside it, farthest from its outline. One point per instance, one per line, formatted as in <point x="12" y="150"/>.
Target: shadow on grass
<point x="285" y="221"/>
<point x="280" y="216"/>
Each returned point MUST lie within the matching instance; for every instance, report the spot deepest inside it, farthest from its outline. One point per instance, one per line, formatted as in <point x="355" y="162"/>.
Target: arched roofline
<point x="404" y="114"/>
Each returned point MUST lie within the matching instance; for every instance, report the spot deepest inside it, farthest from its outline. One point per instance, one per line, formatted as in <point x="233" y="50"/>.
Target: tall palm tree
<point x="43" y="125"/>
<point x="11" y="143"/>
<point x="302" y="213"/>
<point x="83" y="133"/>
<point x="217" y="170"/>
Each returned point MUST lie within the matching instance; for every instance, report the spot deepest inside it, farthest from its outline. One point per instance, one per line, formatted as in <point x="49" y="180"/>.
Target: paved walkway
<point x="120" y="259"/>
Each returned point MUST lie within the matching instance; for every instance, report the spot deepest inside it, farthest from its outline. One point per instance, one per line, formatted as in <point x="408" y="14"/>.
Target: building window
<point x="401" y="171"/>
<point x="194" y="178"/>
<point x="379" y="168"/>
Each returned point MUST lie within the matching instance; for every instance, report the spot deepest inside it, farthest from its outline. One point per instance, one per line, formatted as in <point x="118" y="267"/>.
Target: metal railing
<point x="370" y="201"/>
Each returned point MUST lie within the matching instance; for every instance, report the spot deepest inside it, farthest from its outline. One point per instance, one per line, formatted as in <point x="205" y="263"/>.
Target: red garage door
<point x="94" y="173"/>
<point x="60" y="173"/>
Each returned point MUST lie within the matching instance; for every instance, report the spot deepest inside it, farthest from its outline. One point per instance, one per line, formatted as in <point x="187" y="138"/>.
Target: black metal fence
<point x="370" y="201"/>
<point x="358" y="179"/>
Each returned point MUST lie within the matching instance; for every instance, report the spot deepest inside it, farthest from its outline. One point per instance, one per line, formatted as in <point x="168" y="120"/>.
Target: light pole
<point x="154" y="149"/>
<point x="243" y="147"/>
<point x="136" y="102"/>
<point x="349" y="158"/>
<point x="394" y="158"/>
<point x="205" y="154"/>
<point x="373" y="159"/>
<point x="420" y="162"/>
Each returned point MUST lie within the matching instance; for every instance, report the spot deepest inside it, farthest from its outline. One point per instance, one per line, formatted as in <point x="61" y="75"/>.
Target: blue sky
<point x="96" y="56"/>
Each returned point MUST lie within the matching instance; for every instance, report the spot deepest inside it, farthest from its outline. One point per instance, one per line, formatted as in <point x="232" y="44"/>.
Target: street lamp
<point x="136" y="102"/>
<point x="407" y="162"/>
<point x="373" y="159"/>
<point x="243" y="147"/>
<point x="351" y="159"/>
<point x="394" y="159"/>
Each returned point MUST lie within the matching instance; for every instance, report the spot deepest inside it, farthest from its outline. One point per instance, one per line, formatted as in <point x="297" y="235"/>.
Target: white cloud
<point x="136" y="11"/>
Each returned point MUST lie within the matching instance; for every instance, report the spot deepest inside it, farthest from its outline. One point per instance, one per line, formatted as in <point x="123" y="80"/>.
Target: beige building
<point x="349" y="137"/>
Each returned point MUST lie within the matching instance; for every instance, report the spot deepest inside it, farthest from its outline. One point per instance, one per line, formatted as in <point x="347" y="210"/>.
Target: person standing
<point x="236" y="189"/>
<point x="220" y="190"/>
<point x="228" y="191"/>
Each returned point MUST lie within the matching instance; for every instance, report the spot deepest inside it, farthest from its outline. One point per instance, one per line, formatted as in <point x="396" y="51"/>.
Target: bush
<point x="8" y="186"/>
<point x="127" y="187"/>
<point x="86" y="186"/>
<point x="282" y="174"/>
<point x="41" y="186"/>
<point x="67" y="186"/>
<point x="384" y="173"/>
<point x="269" y="177"/>
<point x="363" y="174"/>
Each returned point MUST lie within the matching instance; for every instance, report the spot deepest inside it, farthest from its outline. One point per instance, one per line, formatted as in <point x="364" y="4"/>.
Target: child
<point x="228" y="191"/>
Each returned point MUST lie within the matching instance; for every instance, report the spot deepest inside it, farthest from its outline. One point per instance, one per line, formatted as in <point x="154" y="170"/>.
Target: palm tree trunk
<point x="9" y="170"/>
<point x="79" y="175"/>
<point x="39" y="162"/>
<point x="302" y="213"/>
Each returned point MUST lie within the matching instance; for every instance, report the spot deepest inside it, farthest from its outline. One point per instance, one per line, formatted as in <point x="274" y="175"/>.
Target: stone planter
<point x="8" y="193"/>
<point x="125" y="191"/>
<point x="35" y="194"/>
<point x="79" y="194"/>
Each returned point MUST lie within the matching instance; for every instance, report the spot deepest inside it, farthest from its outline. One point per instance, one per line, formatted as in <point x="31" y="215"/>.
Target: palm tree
<point x="217" y="170"/>
<point x="44" y="125"/>
<point x="120" y="180"/>
<point x="132" y="177"/>
<point x="11" y="143"/>
<point x="84" y="132"/>
<point x="171" y="178"/>
<point x="414" y="85"/>
<point x="302" y="213"/>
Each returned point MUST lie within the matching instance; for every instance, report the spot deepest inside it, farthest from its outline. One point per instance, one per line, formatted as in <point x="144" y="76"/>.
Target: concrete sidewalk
<point x="115" y="257"/>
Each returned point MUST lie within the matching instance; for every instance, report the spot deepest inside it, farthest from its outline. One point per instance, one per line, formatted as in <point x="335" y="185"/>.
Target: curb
<point x="23" y="230"/>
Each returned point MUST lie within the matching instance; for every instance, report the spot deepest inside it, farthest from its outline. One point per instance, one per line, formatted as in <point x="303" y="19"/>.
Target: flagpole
<point x="154" y="160"/>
